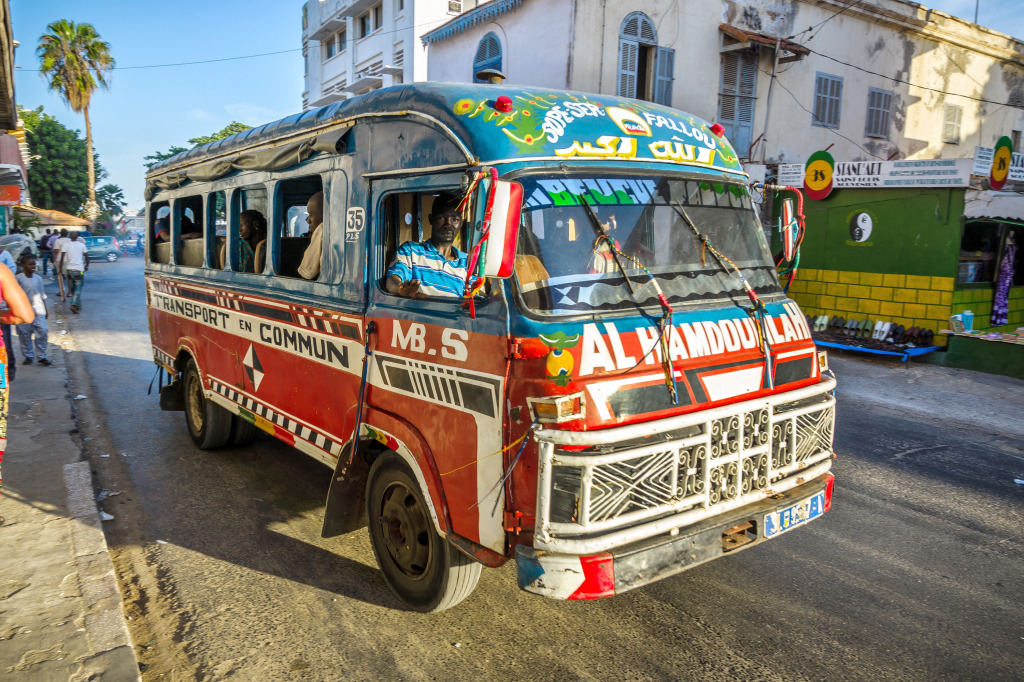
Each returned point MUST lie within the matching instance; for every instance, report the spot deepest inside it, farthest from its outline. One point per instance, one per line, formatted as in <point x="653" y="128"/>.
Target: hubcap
<point x="195" y="403"/>
<point x="406" y="530"/>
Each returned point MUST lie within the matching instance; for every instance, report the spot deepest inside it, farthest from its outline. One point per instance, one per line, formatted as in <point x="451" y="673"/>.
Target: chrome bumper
<point x="730" y="457"/>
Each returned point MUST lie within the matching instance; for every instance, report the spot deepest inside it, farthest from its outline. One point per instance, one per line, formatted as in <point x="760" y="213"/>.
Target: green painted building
<point x="908" y="256"/>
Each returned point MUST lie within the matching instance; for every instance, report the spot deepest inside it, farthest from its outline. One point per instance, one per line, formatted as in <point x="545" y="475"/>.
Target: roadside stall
<point x="895" y="249"/>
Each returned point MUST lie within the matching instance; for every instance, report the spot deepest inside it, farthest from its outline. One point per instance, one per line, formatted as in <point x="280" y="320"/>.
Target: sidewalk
<point x="61" y="616"/>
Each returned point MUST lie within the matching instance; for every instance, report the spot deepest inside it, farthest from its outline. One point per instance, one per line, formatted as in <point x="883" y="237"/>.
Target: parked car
<point x="102" y="247"/>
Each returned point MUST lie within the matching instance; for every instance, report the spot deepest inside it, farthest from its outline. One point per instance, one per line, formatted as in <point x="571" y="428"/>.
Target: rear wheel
<point x="243" y="431"/>
<point x="111" y="256"/>
<point x="423" y="569"/>
<point x="209" y="424"/>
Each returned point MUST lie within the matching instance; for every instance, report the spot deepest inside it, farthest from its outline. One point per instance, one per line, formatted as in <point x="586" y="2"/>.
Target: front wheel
<point x="423" y="569"/>
<point x="208" y="423"/>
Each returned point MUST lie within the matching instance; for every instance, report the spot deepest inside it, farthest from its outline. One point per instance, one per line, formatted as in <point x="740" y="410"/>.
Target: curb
<point x="106" y="626"/>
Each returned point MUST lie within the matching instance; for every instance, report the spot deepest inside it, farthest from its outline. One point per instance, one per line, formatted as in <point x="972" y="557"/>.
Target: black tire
<point x="111" y="256"/>
<point x="423" y="569"/>
<point x="243" y="432"/>
<point x="208" y="423"/>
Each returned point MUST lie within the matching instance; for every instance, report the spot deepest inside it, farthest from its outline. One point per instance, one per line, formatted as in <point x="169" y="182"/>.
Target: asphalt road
<point x="916" y="573"/>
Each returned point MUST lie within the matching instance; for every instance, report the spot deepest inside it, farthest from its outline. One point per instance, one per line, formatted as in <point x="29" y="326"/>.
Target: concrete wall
<point x="534" y="47"/>
<point x="400" y="31"/>
<point x="893" y="38"/>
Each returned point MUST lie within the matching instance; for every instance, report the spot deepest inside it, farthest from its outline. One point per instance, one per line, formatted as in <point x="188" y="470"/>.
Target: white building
<point x="878" y="79"/>
<point x="354" y="46"/>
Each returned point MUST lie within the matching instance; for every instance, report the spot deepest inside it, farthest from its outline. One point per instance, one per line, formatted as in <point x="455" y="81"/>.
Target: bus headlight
<point x="556" y="409"/>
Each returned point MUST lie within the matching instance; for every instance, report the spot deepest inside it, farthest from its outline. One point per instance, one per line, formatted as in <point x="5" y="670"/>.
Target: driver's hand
<point x="410" y="289"/>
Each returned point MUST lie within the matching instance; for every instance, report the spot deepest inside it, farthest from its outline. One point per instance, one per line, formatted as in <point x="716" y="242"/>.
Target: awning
<point x="992" y="205"/>
<point x="268" y="159"/>
<point x="743" y="40"/>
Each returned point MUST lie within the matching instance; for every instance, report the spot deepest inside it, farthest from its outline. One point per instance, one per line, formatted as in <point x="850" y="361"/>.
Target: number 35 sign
<point x="354" y="221"/>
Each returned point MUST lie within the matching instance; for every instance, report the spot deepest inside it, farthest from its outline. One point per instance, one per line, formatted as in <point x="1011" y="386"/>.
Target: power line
<point x="814" y="117"/>
<point x="828" y="19"/>
<point x="248" y="56"/>
<point x="204" y="61"/>
<point x="913" y="85"/>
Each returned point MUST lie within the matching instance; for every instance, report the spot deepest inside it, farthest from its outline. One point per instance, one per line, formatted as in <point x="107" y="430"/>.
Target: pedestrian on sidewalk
<point x="74" y="260"/>
<point x="18" y="311"/>
<point x="32" y="285"/>
<point x="57" y="245"/>
<point x="45" y="252"/>
<point x="7" y="259"/>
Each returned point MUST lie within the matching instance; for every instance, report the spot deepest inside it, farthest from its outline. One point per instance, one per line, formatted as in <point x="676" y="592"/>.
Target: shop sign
<point x="10" y="195"/>
<point x="819" y="174"/>
<point x="790" y="174"/>
<point x="983" y="164"/>
<point x="866" y="174"/>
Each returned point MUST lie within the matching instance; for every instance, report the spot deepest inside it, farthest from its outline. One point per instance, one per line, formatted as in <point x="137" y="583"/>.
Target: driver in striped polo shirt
<point x="433" y="267"/>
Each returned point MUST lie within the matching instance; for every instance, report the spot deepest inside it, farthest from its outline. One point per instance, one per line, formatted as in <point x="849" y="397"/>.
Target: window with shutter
<point x="628" y="52"/>
<point x="951" y="124"/>
<point x="879" y="107"/>
<point x="664" y="70"/>
<point x="737" y="97"/>
<point x="639" y="75"/>
<point x="828" y="98"/>
<point x="488" y="55"/>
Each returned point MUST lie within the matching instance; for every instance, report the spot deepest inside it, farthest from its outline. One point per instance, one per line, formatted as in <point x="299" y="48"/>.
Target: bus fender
<point x="381" y="431"/>
<point x="172" y="396"/>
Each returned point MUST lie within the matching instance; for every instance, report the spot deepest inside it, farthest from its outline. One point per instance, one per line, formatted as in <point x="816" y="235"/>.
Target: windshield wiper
<point x="665" y="324"/>
<point x="602" y="236"/>
<point x="758" y="311"/>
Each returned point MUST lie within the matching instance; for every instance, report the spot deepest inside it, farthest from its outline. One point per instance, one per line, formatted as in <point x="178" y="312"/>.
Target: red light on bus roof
<point x="504" y="104"/>
<point x="718" y="129"/>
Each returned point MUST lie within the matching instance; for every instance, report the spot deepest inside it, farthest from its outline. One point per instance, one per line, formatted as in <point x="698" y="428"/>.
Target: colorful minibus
<point x="591" y="370"/>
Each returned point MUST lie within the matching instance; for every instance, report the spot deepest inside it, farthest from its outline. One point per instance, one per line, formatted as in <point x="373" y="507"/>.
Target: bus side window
<point x="217" y="223"/>
<point x="250" y="213"/>
<point x="189" y="216"/>
<point x="292" y="225"/>
<point x="158" y="232"/>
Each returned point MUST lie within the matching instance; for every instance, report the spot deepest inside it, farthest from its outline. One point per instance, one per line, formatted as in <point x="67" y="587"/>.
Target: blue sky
<point x="151" y="109"/>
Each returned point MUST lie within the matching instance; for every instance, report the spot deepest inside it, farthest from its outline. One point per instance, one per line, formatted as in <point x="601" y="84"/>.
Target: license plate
<point x="799" y="514"/>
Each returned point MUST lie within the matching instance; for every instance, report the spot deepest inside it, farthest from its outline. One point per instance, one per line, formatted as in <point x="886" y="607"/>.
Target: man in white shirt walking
<point x="74" y="261"/>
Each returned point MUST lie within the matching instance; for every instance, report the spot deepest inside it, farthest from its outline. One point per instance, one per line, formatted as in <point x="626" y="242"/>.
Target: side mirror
<point x="500" y="254"/>
<point x="494" y="250"/>
<point x="790" y="229"/>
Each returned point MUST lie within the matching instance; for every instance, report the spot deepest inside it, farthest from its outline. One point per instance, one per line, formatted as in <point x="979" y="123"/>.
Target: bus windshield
<point x="564" y="268"/>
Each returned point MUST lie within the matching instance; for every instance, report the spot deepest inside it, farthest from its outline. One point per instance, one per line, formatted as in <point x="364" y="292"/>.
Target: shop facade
<point x="915" y="250"/>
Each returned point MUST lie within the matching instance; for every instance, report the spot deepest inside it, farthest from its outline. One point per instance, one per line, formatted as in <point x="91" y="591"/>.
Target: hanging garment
<point x="1001" y="302"/>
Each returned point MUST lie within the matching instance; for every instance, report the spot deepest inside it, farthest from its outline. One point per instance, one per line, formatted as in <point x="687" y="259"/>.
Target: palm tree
<point x="76" y="61"/>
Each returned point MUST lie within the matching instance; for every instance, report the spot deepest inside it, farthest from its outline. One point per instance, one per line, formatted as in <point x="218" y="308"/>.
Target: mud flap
<point x="172" y="397"/>
<point x="346" y="506"/>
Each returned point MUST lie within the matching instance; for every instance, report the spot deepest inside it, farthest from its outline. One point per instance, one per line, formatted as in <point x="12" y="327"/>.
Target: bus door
<point x="436" y="367"/>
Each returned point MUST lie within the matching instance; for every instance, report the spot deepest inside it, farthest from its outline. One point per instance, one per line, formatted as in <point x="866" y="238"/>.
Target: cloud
<point x="201" y="115"/>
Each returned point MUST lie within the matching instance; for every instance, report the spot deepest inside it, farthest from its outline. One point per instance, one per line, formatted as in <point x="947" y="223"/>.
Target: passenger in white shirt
<point x="74" y="256"/>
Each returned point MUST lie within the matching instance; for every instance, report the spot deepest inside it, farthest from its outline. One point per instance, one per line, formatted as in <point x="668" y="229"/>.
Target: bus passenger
<point x="252" y="228"/>
<point x="433" y="267"/>
<point x="310" y="267"/>
<point x="188" y="229"/>
<point x="161" y="231"/>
